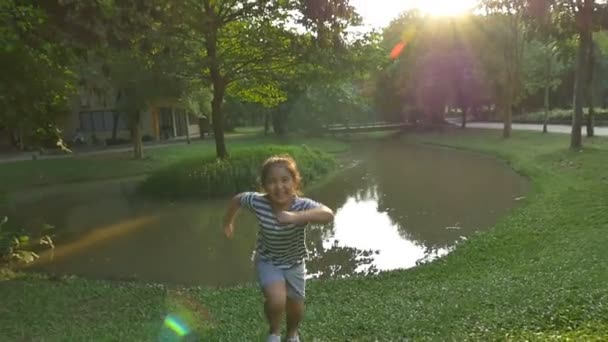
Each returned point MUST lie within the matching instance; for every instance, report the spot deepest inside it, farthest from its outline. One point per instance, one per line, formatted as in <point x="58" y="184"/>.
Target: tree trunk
<point x="591" y="120"/>
<point x="576" y="139"/>
<point x="584" y="29"/>
<point x="279" y="121"/>
<point x="21" y="140"/>
<point x="115" y="118"/>
<point x="138" y="148"/>
<point x="219" y="90"/>
<point x="11" y="137"/>
<point x="218" y="119"/>
<point x="266" y="123"/>
<point x="187" y="127"/>
<point x="590" y="68"/>
<point x="115" y="126"/>
<point x="463" y="124"/>
<point x="508" y="118"/>
<point x="202" y="127"/>
<point x="546" y="121"/>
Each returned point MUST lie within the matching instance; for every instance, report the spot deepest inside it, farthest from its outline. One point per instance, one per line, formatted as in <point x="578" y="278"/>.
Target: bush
<point x="561" y="115"/>
<point x="16" y="246"/>
<point x="210" y="177"/>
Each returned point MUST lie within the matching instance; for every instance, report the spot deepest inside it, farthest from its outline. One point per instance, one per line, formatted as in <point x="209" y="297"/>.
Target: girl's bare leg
<point x="275" y="296"/>
<point x="295" y="314"/>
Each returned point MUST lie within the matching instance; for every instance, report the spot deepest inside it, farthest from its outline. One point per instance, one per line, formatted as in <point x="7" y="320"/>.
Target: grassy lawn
<point x="26" y="174"/>
<point x="541" y="273"/>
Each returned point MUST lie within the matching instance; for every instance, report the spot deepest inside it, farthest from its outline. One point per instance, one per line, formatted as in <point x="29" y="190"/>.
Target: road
<point x="562" y="129"/>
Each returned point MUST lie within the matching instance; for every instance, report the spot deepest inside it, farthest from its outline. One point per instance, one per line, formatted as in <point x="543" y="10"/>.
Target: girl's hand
<point x="229" y="230"/>
<point x="287" y="217"/>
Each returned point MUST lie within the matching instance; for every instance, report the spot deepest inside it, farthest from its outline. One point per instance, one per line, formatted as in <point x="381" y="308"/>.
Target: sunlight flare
<point x="446" y="8"/>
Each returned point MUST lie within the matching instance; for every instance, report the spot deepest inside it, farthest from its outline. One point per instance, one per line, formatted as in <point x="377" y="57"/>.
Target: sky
<point x="379" y="13"/>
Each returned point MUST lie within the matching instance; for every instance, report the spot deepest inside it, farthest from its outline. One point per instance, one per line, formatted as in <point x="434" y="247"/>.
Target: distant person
<point x="280" y="250"/>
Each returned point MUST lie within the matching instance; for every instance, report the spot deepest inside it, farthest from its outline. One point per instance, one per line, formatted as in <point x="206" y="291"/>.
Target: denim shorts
<point x="294" y="277"/>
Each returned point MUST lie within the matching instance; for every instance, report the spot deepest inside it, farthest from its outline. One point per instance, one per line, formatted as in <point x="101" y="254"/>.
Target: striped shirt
<point x="281" y="244"/>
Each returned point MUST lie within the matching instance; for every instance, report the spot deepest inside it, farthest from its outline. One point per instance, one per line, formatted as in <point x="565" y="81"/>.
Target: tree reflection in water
<point x="339" y="261"/>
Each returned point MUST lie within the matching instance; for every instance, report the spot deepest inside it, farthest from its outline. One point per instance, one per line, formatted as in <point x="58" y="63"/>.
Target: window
<point x="100" y="121"/>
<point x="86" y="124"/>
<point x="108" y="120"/>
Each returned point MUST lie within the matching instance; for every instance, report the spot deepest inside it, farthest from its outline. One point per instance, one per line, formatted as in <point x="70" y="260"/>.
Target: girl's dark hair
<point x="290" y="165"/>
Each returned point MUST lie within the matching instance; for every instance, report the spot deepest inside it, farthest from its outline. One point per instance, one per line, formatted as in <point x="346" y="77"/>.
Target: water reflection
<point x="398" y="207"/>
<point x="405" y="205"/>
<point x="365" y="240"/>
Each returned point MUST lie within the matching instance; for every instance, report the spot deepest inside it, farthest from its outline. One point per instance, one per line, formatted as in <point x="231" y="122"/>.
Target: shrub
<point x="18" y="247"/>
<point x="561" y="115"/>
<point x="211" y="177"/>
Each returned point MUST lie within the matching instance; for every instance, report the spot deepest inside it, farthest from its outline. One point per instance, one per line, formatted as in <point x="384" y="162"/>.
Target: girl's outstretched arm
<point x="233" y="208"/>
<point x="321" y="214"/>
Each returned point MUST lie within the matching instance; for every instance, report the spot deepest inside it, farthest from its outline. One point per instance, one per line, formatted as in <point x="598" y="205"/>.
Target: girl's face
<point x="280" y="185"/>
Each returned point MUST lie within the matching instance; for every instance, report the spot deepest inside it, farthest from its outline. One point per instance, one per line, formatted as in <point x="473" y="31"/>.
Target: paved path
<point x="563" y="129"/>
<point x="91" y="151"/>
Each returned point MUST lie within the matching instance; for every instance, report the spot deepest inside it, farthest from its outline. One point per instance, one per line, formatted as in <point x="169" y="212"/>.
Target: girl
<point x="280" y="251"/>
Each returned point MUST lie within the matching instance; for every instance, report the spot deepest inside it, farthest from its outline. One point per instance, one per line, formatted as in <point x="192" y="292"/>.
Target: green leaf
<point x="25" y="256"/>
<point x="47" y="226"/>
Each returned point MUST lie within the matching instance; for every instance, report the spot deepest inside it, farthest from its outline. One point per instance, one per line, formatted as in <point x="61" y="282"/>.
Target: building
<point x="93" y="117"/>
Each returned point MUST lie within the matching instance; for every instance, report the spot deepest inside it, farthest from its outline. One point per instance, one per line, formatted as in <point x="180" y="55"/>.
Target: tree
<point x="329" y="60"/>
<point x="599" y="22"/>
<point x="505" y="29"/>
<point x="438" y="68"/>
<point x="141" y="81"/>
<point x="583" y="16"/>
<point x="232" y="41"/>
<point x="591" y="67"/>
<point x="578" y="18"/>
<point x="197" y="100"/>
<point x="594" y="63"/>
<point x="601" y="80"/>
<point x="138" y="63"/>
<point x="37" y="77"/>
<point x="328" y="86"/>
<point x="328" y="19"/>
<point x="122" y="46"/>
<point x="543" y="70"/>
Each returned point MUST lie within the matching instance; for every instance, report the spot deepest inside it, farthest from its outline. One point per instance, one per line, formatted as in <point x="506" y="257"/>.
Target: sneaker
<point x="273" y="338"/>
<point x="294" y="339"/>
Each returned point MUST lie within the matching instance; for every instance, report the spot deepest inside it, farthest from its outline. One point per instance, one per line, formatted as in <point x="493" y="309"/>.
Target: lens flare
<point x="175" y="329"/>
<point x="397" y="50"/>
<point x="406" y="37"/>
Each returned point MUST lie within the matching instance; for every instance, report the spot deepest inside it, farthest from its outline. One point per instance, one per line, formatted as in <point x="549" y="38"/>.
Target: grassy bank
<point x="208" y="177"/>
<point x="33" y="173"/>
<point x="540" y="274"/>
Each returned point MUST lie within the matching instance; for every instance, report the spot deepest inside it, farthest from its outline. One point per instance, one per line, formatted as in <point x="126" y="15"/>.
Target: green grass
<point x="32" y="173"/>
<point x="209" y="177"/>
<point x="541" y="273"/>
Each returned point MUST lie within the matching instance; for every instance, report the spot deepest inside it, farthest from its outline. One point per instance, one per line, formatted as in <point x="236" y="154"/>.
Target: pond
<point x="397" y="206"/>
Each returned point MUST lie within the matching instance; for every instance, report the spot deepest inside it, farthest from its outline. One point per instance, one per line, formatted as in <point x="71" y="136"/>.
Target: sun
<point x="446" y="8"/>
<point x="379" y="13"/>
